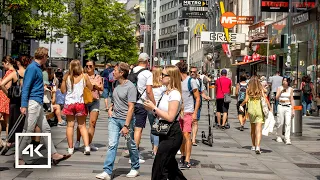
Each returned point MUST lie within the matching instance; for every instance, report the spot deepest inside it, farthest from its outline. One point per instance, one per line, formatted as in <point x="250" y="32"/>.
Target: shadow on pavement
<point x="262" y="150"/>
<point x="120" y="171"/>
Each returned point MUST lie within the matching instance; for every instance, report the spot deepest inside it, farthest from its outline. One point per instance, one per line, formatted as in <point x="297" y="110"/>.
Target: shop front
<point x="305" y="45"/>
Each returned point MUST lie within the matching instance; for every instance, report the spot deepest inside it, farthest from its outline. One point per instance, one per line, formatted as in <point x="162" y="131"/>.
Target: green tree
<point x="35" y="15"/>
<point x="105" y="28"/>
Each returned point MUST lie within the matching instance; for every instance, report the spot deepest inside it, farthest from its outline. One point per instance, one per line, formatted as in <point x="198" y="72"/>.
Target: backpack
<point x="133" y="77"/>
<point x="306" y="89"/>
<point x="110" y="77"/>
<point x="242" y="92"/>
<point x="191" y="91"/>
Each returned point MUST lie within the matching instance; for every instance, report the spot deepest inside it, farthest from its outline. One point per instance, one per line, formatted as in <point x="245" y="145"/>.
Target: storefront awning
<point x="248" y="63"/>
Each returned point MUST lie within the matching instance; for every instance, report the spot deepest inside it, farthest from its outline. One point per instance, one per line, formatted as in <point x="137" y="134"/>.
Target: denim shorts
<point x="94" y="106"/>
<point x="105" y="93"/>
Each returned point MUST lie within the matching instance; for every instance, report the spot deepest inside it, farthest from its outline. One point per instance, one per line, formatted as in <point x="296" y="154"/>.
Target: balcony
<point x="182" y="42"/>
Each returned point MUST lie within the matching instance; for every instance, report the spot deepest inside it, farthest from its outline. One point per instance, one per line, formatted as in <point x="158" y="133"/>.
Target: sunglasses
<point x="193" y="71"/>
<point x="89" y="66"/>
<point x="165" y="75"/>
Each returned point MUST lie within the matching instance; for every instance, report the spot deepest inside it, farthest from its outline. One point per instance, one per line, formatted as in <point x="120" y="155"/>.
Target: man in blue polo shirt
<point x="32" y="105"/>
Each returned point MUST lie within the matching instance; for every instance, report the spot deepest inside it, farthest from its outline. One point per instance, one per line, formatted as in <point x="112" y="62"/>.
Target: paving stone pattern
<point x="229" y="158"/>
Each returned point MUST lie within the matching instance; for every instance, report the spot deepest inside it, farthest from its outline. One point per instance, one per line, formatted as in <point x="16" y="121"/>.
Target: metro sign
<point x="192" y="3"/>
<point x="229" y="20"/>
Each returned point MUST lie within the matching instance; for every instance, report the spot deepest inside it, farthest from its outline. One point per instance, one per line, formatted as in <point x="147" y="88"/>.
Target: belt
<point x="286" y="105"/>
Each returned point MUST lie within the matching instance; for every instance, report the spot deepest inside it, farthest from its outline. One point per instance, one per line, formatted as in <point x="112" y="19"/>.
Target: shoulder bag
<point x="162" y="127"/>
<point x="87" y="94"/>
<point x="15" y="90"/>
<point x="226" y="96"/>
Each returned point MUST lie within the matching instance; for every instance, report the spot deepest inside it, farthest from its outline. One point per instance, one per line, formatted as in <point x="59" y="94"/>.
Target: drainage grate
<point x="308" y="165"/>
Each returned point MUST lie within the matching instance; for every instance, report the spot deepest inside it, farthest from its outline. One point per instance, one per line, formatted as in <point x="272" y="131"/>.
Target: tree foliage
<point x="104" y="27"/>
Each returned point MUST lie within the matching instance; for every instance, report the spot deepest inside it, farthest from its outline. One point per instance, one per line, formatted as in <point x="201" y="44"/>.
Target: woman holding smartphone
<point x="165" y="165"/>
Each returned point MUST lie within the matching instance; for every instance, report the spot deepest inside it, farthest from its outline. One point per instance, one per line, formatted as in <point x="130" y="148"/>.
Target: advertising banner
<point x="142" y="11"/>
<point x="194" y="14"/>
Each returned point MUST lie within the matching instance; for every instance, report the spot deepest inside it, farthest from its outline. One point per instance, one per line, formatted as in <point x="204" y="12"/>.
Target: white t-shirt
<point x="173" y="95"/>
<point x="157" y="92"/>
<point x="145" y="78"/>
<point x="187" y="97"/>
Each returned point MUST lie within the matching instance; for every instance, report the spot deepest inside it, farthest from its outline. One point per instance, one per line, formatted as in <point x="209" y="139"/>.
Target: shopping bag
<point x="268" y="124"/>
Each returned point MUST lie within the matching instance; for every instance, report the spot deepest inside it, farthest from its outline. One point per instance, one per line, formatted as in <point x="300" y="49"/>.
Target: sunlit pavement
<point x="229" y="158"/>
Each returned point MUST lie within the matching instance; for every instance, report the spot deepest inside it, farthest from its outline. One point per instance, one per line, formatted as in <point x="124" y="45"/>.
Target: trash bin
<point x="296" y="125"/>
<point x="212" y="91"/>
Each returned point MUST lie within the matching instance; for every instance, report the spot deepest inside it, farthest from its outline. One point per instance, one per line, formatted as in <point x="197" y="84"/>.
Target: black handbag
<point x="15" y="90"/>
<point x="162" y="127"/>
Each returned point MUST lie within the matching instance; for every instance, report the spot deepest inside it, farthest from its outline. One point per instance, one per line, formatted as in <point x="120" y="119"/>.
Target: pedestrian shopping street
<point x="229" y="158"/>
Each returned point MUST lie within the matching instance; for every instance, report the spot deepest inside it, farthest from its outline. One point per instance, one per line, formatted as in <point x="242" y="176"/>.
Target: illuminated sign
<point x="229" y="20"/>
<point x="283" y="5"/>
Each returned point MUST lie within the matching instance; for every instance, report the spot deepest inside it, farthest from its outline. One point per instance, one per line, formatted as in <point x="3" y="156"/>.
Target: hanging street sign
<point x="229" y="20"/>
<point x="192" y="3"/>
<point x="221" y="37"/>
<point x="194" y="14"/>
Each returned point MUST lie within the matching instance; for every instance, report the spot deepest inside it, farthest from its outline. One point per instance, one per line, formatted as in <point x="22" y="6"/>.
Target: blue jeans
<point x="306" y="104"/>
<point x="154" y="139"/>
<point x="115" y="126"/>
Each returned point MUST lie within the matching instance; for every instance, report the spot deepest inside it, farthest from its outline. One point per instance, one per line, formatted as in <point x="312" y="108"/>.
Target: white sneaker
<point x="279" y="140"/>
<point x="141" y="161"/>
<point x="258" y="150"/>
<point x="77" y="145"/>
<point x="86" y="150"/>
<point x="93" y="148"/>
<point x="70" y="151"/>
<point x="179" y="152"/>
<point x="253" y="148"/>
<point x="288" y="142"/>
<point x="103" y="175"/>
<point x="133" y="173"/>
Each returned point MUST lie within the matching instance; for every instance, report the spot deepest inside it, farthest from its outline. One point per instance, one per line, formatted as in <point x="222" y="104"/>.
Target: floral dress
<point x="5" y="101"/>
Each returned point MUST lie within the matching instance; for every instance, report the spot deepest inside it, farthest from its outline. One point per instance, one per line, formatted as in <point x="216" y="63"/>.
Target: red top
<point x="223" y="85"/>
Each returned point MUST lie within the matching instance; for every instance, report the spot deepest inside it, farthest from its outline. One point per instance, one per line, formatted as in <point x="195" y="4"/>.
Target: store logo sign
<point x="300" y="19"/>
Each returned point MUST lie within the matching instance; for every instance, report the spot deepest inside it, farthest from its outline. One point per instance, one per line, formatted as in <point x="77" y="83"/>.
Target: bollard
<point x="296" y="123"/>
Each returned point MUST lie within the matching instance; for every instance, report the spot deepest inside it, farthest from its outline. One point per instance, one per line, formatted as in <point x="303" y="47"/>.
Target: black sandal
<point x="223" y="128"/>
<point x="57" y="161"/>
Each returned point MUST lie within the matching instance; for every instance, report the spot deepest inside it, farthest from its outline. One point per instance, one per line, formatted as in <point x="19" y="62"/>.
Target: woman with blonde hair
<point x="254" y="94"/>
<point x="73" y="84"/>
<point x="165" y="165"/>
<point x="158" y="90"/>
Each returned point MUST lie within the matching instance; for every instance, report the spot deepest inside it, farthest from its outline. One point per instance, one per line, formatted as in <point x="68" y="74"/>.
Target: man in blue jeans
<point x="120" y="124"/>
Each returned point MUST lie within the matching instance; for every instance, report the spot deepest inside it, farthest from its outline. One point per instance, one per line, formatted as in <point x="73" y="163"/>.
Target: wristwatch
<point x="126" y="126"/>
<point x="154" y="111"/>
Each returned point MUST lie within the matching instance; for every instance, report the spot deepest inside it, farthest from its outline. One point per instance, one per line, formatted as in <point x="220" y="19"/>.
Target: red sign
<point x="283" y="5"/>
<point x="229" y="20"/>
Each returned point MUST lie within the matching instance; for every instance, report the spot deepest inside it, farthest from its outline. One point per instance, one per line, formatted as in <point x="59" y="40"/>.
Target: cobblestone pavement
<point x="229" y="158"/>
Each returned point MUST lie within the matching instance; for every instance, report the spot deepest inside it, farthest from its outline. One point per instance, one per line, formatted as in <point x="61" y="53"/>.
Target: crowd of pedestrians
<point x="170" y="97"/>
